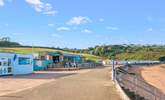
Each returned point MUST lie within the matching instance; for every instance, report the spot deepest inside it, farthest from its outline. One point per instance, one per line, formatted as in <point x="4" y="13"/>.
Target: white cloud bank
<point x="2" y="3"/>
<point x="86" y="31"/>
<point x="39" y="6"/>
<point x="63" y="29"/>
<point x="78" y="20"/>
<point x="51" y="25"/>
<point x="149" y="29"/>
<point x="56" y="35"/>
<point x="101" y="19"/>
<point x="112" y="28"/>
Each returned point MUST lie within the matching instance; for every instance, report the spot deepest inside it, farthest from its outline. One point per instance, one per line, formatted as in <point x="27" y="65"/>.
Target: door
<point x="56" y="59"/>
<point x="5" y="66"/>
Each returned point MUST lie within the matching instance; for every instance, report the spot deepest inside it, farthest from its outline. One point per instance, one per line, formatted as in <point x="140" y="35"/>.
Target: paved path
<point x="92" y="85"/>
<point x="13" y="84"/>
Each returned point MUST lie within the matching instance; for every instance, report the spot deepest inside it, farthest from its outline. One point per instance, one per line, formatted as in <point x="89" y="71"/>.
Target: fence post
<point x="136" y="87"/>
<point x="155" y="94"/>
<point x="113" y="70"/>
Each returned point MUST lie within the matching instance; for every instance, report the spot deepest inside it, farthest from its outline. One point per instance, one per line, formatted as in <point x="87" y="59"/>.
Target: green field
<point x="36" y="50"/>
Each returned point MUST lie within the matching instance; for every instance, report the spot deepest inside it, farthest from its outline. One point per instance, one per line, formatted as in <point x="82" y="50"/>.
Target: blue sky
<point x="83" y="23"/>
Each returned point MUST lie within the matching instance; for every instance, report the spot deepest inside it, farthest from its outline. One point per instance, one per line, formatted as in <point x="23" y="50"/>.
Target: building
<point x="56" y="59"/>
<point x="16" y="64"/>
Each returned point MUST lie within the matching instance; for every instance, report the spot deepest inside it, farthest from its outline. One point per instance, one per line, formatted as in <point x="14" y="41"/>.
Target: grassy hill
<point x="26" y="50"/>
<point x="142" y="53"/>
<point x="128" y="52"/>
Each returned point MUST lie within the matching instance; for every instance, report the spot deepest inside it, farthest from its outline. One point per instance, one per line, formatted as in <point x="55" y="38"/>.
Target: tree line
<point x="120" y="52"/>
<point x="126" y="52"/>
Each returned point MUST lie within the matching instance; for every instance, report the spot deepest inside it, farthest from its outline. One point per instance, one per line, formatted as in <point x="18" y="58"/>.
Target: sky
<point x="83" y="23"/>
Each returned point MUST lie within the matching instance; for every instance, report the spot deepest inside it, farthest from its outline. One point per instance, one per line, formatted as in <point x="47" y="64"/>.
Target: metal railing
<point x="138" y="86"/>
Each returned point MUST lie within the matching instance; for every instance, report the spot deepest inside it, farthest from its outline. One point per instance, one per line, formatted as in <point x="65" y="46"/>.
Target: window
<point x="23" y="61"/>
<point x="5" y="63"/>
<point x="2" y="58"/>
<point x="9" y="62"/>
<point x="9" y="69"/>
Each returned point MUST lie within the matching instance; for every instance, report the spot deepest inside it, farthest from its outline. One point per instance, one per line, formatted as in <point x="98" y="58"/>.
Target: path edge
<point x="122" y="94"/>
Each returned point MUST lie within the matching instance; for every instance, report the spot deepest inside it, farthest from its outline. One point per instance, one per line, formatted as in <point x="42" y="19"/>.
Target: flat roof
<point x="64" y="54"/>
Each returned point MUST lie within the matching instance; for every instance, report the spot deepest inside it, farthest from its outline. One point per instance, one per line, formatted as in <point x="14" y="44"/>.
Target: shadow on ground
<point x="41" y="75"/>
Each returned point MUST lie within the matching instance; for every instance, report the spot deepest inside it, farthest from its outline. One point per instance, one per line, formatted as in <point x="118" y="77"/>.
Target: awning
<point x="54" y="54"/>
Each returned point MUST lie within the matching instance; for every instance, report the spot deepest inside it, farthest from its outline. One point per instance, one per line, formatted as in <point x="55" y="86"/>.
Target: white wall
<point x="16" y="67"/>
<point x="23" y="69"/>
<point x="9" y="55"/>
<point x="4" y="68"/>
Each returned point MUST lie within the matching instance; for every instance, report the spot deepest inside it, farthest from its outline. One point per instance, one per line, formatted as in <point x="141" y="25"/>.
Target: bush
<point x="162" y="58"/>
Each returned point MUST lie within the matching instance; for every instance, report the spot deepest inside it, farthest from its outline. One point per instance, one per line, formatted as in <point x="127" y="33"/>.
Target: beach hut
<point x="16" y="64"/>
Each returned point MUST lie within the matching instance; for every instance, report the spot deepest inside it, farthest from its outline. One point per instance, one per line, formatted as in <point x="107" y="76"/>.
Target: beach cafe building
<point x="55" y="59"/>
<point x="15" y="64"/>
<point x="58" y="57"/>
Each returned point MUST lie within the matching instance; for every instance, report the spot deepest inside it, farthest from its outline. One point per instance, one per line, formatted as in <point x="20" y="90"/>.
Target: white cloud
<point x="50" y="12"/>
<point x="51" y="25"/>
<point x="86" y="31"/>
<point x="63" y="29"/>
<point x="101" y="20"/>
<point x="78" y="20"/>
<point x="56" y="35"/>
<point x="39" y="6"/>
<point x="112" y="28"/>
<point x="150" y="29"/>
<point x="1" y="3"/>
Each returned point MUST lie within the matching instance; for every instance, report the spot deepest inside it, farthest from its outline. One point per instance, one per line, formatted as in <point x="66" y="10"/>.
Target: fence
<point x="88" y="65"/>
<point x="138" y="86"/>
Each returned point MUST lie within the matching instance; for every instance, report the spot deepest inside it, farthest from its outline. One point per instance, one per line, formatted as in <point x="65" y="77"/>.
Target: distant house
<point x="56" y="59"/>
<point x="16" y="64"/>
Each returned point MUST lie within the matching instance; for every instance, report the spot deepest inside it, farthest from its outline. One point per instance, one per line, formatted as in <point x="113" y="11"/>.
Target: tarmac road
<point x="92" y="85"/>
